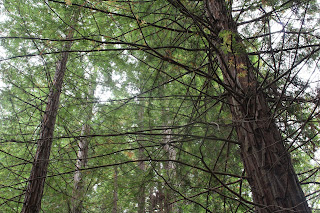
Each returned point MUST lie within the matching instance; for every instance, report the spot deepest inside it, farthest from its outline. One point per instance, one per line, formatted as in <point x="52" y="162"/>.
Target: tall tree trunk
<point x="34" y="192"/>
<point x="82" y="155"/>
<point x="274" y="184"/>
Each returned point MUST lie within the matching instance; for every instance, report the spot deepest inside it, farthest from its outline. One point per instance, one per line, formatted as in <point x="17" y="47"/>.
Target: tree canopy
<point x="159" y="106"/>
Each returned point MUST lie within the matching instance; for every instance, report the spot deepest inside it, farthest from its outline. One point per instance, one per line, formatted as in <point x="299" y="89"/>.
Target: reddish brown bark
<point x="34" y="192"/>
<point x="274" y="184"/>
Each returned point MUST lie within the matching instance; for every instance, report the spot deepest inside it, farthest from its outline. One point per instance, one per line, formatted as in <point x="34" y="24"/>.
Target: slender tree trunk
<point x="34" y="192"/>
<point x="274" y="184"/>
<point x="35" y="188"/>
<point x="115" y="190"/>
<point x="82" y="156"/>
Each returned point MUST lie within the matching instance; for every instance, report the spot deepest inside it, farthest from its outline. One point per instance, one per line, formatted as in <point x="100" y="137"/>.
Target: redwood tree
<point x="274" y="183"/>
<point x="38" y="174"/>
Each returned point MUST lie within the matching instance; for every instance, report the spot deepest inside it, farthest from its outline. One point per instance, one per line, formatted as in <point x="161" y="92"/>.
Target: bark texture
<point x="274" y="184"/>
<point x="34" y="192"/>
<point x="32" y="201"/>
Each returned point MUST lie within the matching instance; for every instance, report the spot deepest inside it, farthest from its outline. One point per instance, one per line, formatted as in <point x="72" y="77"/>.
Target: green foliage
<point x="138" y="70"/>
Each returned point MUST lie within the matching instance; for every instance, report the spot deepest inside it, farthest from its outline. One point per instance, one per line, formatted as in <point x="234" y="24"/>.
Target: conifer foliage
<point x="159" y="106"/>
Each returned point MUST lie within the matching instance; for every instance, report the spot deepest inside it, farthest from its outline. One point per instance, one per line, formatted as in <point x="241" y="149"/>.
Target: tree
<point x="82" y="155"/>
<point x="200" y="104"/>
<point x="266" y="160"/>
<point x="33" y="196"/>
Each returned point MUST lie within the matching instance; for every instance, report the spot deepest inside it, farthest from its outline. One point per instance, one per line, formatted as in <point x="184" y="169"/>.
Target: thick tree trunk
<point x="34" y="192"/>
<point x="274" y="184"/>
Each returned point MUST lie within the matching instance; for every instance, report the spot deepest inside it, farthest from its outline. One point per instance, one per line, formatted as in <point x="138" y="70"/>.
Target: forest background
<point x="159" y="106"/>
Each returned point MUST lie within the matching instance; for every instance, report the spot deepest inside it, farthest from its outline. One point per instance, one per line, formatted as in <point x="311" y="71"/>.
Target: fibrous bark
<point x="34" y="192"/>
<point x="274" y="184"/>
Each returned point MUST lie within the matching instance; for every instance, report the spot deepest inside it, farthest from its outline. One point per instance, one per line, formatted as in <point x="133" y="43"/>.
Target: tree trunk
<point x="78" y="190"/>
<point x="274" y="184"/>
<point x="82" y="157"/>
<point x="34" y="192"/>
